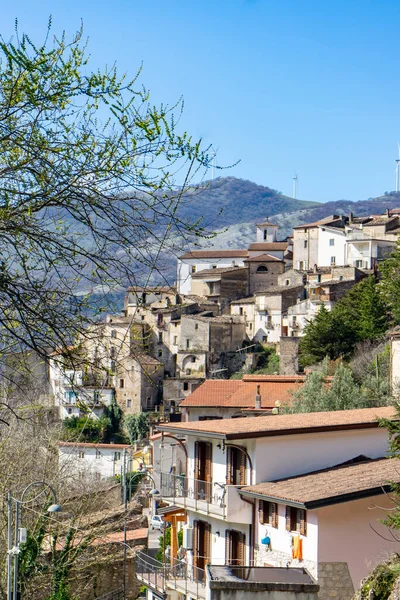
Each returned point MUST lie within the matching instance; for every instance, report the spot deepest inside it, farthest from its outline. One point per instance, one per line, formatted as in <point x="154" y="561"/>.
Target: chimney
<point x="388" y="212"/>
<point x="351" y="217"/>
<point x="258" y="399"/>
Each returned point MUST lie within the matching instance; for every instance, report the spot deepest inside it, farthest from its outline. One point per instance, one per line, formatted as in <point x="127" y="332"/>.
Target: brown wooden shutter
<point x="241" y="555"/>
<point x="288" y="518"/>
<point x="261" y="517"/>
<point x="207" y="543"/>
<point x="243" y="461"/>
<point x="274" y="514"/>
<point x="301" y="519"/>
<point x="228" y="546"/>
<point x="195" y="543"/>
<point x="196" y="460"/>
<point x="208" y="469"/>
<point x="229" y="469"/>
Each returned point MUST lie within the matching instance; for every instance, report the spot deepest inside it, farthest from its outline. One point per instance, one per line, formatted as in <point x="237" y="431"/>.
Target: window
<point x="241" y="310"/>
<point x="117" y="455"/>
<point x="262" y="269"/>
<point x="113" y="333"/>
<point x="205" y="418"/>
<point x="333" y="260"/>
<point x="98" y="454"/>
<point x="236" y="460"/>
<point x="287" y="282"/>
<point x="188" y="371"/>
<point x="113" y="352"/>
<point x="81" y="454"/>
<point x="112" y="366"/>
<point x="160" y="337"/>
<point x="160" y="354"/>
<point x="185" y="386"/>
<point x="193" y="269"/>
<point x="214" y="266"/>
<point x="296" y="520"/>
<point x="128" y="403"/>
<point x="268" y="513"/>
<point x="196" y="325"/>
<point x="359" y="264"/>
<point x="175" y="340"/>
<point x="265" y="234"/>
<point x="305" y="243"/>
<point x="70" y="411"/>
<point x="302" y="265"/>
<point x="319" y="278"/>
<point x="250" y="326"/>
<point x="193" y="359"/>
<point x="160" y="320"/>
<point x="122" y="383"/>
<point x="332" y="241"/>
<point x="96" y="397"/>
<point x="187" y="343"/>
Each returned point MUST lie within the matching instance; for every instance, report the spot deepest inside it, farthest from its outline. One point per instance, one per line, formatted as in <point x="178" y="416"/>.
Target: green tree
<point x="88" y="191"/>
<point x="362" y="314"/>
<point x="137" y="426"/>
<point x="390" y="282"/>
<point x="342" y="393"/>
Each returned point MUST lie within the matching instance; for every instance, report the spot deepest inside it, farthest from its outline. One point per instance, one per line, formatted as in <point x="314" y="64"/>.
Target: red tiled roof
<point x="331" y="486"/>
<point x="325" y="221"/>
<point x="90" y="445"/>
<point x="361" y="418"/>
<point x="263" y="258"/>
<point x="215" y="254"/>
<point x="242" y="393"/>
<point x="268" y="246"/>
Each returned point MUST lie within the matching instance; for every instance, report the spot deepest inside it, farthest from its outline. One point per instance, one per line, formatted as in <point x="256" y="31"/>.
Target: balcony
<point x="161" y="577"/>
<point x="208" y="498"/>
<point x="235" y="582"/>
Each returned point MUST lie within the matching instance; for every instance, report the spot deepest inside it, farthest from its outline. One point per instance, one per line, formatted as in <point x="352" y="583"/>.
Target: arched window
<point x="262" y="269"/>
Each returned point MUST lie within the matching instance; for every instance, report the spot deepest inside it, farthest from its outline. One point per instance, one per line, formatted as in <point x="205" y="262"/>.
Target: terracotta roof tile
<point x="215" y="254"/>
<point x="332" y="485"/>
<point x="263" y="258"/>
<point x="325" y="221"/>
<point x="242" y="393"/>
<point x="268" y="246"/>
<point x="284" y="424"/>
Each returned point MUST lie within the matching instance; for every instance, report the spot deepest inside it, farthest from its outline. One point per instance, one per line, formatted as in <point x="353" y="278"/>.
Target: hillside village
<point x="262" y="500"/>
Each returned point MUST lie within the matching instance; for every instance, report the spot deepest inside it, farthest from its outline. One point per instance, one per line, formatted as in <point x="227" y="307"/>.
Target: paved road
<point x="154" y="538"/>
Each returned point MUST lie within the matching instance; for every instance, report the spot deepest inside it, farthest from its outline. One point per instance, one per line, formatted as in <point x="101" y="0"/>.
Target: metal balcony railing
<point x="204" y="496"/>
<point x="179" y="576"/>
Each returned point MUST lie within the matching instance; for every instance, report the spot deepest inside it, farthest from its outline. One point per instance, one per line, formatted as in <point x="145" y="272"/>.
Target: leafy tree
<point x="137" y="426"/>
<point x="88" y="195"/>
<point x="373" y="310"/>
<point x="342" y="393"/>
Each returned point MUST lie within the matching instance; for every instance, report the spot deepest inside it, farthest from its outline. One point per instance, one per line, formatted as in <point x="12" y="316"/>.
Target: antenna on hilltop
<point x="295" y="179"/>
<point x="398" y="168"/>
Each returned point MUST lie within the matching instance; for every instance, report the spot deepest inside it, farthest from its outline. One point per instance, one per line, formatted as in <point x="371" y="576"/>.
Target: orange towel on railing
<point x="297" y="550"/>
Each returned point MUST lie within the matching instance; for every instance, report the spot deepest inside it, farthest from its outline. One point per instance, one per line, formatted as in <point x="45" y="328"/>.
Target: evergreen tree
<point x="390" y="282"/>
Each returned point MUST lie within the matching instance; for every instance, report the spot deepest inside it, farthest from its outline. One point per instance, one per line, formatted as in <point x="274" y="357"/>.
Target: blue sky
<point x="284" y="86"/>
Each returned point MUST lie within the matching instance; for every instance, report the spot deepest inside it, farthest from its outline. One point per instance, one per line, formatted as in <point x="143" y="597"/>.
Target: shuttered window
<point x="235" y="466"/>
<point x="296" y="520"/>
<point x="235" y="548"/>
<point x="268" y="513"/>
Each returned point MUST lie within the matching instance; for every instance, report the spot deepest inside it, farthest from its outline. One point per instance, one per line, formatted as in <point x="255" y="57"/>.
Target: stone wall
<point x="334" y="581"/>
<point x="289" y="354"/>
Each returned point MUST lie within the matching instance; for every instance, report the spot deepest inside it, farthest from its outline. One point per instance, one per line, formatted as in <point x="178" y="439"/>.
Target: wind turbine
<point x="295" y="179"/>
<point x="398" y="169"/>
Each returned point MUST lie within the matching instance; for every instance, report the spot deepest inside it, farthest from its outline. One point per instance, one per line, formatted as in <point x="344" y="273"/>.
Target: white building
<point x="97" y="461"/>
<point x="234" y="464"/>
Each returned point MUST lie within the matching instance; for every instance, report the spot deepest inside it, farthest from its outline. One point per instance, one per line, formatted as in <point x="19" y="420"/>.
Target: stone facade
<point x="263" y="273"/>
<point x="289" y="355"/>
<point x="334" y="581"/>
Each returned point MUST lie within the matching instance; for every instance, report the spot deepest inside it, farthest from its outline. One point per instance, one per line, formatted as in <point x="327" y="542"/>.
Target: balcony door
<point x="235" y="548"/>
<point x="203" y="471"/>
<point x="201" y="548"/>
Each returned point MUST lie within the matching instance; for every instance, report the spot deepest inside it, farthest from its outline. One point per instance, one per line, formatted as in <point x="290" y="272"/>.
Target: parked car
<point x="157" y="522"/>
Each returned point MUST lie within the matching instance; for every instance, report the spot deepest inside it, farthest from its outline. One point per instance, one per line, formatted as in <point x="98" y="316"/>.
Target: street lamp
<point x="20" y="533"/>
